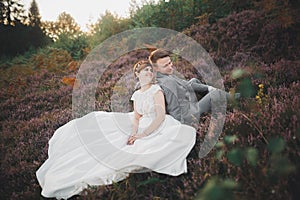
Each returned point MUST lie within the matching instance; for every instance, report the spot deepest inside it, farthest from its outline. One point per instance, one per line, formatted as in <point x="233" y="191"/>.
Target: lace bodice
<point x="144" y="101"/>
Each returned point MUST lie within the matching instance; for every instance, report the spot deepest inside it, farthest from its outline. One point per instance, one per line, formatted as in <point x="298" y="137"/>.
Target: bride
<point x="105" y="147"/>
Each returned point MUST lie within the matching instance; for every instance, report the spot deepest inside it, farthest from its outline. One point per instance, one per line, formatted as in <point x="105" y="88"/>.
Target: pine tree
<point x="34" y="14"/>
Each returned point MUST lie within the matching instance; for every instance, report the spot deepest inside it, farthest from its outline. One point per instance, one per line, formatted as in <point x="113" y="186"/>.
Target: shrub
<point x="247" y="33"/>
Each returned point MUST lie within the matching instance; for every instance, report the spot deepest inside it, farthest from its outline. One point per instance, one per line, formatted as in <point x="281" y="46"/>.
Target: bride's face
<point x="146" y="75"/>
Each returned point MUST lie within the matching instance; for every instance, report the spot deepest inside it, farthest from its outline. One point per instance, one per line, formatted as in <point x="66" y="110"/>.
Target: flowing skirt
<point x="93" y="150"/>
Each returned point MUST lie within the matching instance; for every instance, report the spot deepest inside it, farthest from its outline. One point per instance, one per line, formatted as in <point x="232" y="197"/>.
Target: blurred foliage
<point x="19" y="33"/>
<point x="77" y="47"/>
<point x="11" y="11"/>
<point x="217" y="189"/>
<point x="180" y="14"/>
<point x="246" y="88"/>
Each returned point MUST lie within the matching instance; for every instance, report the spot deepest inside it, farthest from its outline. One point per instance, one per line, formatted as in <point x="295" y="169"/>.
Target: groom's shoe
<point x="234" y="99"/>
<point x="234" y="95"/>
<point x="237" y="96"/>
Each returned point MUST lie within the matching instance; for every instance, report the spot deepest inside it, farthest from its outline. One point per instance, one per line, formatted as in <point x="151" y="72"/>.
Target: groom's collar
<point x="160" y="75"/>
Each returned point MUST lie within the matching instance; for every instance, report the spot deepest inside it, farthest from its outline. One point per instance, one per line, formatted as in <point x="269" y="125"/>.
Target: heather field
<point x="256" y="157"/>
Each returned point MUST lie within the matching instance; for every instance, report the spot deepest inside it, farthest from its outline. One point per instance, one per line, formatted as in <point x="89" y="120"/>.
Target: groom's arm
<point x="193" y="84"/>
<point x="197" y="86"/>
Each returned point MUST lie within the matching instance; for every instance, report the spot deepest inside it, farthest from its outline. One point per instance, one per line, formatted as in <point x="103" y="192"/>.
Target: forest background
<point x="255" y="44"/>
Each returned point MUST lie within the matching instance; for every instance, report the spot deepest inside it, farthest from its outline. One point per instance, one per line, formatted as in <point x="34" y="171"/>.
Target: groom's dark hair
<point x="158" y="54"/>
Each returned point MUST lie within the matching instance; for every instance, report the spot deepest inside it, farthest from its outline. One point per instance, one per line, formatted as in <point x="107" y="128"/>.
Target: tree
<point x="145" y="16"/>
<point x="34" y="14"/>
<point x="38" y="37"/>
<point x="67" y="25"/>
<point x="64" y="26"/>
<point x="11" y="11"/>
<point x="181" y="14"/>
<point x="19" y="33"/>
<point x="107" y="26"/>
<point x="66" y="34"/>
<point x="172" y="14"/>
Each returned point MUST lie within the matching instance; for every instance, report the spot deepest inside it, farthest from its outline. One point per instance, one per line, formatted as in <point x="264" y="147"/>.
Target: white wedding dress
<point x="93" y="150"/>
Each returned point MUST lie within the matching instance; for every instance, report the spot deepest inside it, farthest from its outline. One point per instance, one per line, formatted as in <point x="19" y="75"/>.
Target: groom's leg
<point x="217" y="97"/>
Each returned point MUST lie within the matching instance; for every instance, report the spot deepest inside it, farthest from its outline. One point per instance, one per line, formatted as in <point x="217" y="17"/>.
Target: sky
<point x="83" y="11"/>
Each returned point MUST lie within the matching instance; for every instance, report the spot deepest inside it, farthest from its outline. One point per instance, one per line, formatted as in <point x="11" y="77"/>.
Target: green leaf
<point x="281" y="165"/>
<point x="246" y="88"/>
<point x="219" y="154"/>
<point x="219" y="144"/>
<point x="149" y="181"/>
<point x="217" y="189"/>
<point x="211" y="191"/>
<point x="251" y="156"/>
<point x="235" y="156"/>
<point x="229" y="184"/>
<point x="229" y="139"/>
<point x="237" y="73"/>
<point x="276" y="145"/>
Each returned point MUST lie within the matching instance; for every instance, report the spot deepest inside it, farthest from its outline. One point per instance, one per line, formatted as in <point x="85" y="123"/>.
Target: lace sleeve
<point x="156" y="88"/>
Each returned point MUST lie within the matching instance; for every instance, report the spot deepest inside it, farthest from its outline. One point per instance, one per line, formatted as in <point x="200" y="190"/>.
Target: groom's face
<point x="164" y="66"/>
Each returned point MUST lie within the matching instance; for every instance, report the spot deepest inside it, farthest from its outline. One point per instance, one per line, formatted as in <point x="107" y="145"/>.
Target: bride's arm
<point x="160" y="111"/>
<point x="135" y="125"/>
<point x="136" y="120"/>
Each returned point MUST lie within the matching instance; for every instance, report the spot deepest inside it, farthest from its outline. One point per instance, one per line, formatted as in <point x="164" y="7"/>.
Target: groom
<point x="180" y="95"/>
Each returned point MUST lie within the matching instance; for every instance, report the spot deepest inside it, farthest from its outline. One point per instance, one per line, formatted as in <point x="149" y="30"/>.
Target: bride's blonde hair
<point x="139" y="66"/>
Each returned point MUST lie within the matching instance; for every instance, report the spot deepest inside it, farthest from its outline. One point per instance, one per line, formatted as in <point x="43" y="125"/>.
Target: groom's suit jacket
<point x="180" y="97"/>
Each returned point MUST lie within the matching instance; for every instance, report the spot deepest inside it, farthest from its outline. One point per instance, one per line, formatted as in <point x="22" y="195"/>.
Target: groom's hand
<point x="210" y="88"/>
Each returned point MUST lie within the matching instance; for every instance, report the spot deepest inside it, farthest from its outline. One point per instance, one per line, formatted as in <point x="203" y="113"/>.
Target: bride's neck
<point x="145" y="86"/>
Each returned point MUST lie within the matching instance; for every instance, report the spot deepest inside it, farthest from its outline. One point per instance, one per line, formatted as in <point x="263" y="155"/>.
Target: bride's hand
<point x="133" y="138"/>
